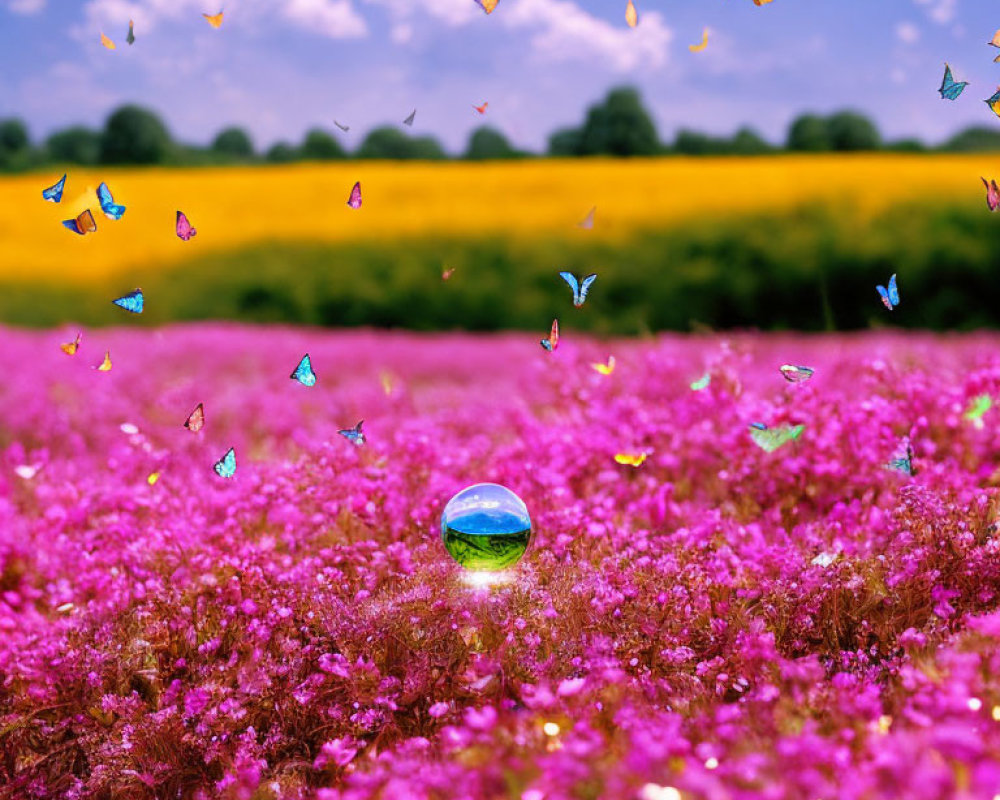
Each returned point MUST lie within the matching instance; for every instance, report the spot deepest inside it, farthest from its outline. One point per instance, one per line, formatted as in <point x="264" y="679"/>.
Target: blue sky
<point x="278" y="67"/>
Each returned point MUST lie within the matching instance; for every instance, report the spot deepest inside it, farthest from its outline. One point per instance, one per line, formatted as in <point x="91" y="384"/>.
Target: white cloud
<point x="907" y="32"/>
<point x="941" y="11"/>
<point x="25" y="7"/>
<point x="453" y="13"/>
<point x="336" y="19"/>
<point x="565" y="32"/>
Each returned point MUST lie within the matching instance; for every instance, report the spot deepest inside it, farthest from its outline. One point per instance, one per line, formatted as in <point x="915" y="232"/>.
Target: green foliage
<point x="15" y="145"/>
<point x="321" y="146"/>
<point x="805" y="270"/>
<point x="850" y="131"/>
<point x="974" y="140"/>
<point x="76" y="145"/>
<point x="488" y="143"/>
<point x="234" y="143"/>
<point x="620" y="126"/>
<point x="134" y="135"/>
<point x="281" y="153"/>
<point x="390" y="143"/>
<point x="809" y="133"/>
<point x="565" y="142"/>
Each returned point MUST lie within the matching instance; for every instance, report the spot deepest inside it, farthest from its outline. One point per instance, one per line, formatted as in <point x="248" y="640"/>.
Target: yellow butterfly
<point x="605" y="369"/>
<point x="153" y="478"/>
<point x="386" y="379"/>
<point x="106" y="364"/>
<point x="107" y="42"/>
<point x="761" y="2"/>
<point x="215" y="20"/>
<point x="70" y="348"/>
<point x="697" y="48"/>
<point x="631" y="459"/>
<point x="632" y="16"/>
<point x="488" y="5"/>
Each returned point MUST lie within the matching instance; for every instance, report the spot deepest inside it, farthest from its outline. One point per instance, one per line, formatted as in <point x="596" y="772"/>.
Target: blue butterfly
<point x="132" y="301"/>
<point x="890" y="296"/>
<point x="225" y="467"/>
<point x="580" y="288"/>
<point x="304" y="372"/>
<point x="54" y="193"/>
<point x="994" y="102"/>
<point x="950" y="88"/>
<point x="111" y="209"/>
<point x="354" y="435"/>
<point x="902" y="459"/>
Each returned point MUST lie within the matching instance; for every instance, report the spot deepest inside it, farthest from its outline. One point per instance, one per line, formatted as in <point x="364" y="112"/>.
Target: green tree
<point x="747" y="142"/>
<point x="850" y="131"/>
<point x="389" y="143"/>
<point x="974" y="140"/>
<point x="693" y="143"/>
<point x="281" y="153"/>
<point x="134" y="135"/>
<point x="565" y="142"/>
<point x="15" y="144"/>
<point x="488" y="143"/>
<point x="619" y="126"/>
<point x="321" y="146"/>
<point x="809" y="133"/>
<point x="76" y="145"/>
<point x="234" y="143"/>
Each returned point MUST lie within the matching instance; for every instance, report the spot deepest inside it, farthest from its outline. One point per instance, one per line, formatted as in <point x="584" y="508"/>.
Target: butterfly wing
<point x="487" y="5"/>
<point x="70" y="348"/>
<point x="131" y="33"/>
<point x="225" y="467"/>
<point x="770" y="439"/>
<point x="215" y="20"/>
<point x="105" y="365"/>
<point x="702" y="382"/>
<point x="107" y="42"/>
<point x="72" y="225"/>
<point x="574" y="284"/>
<point x="133" y="301"/>
<point x="55" y="192"/>
<point x="587" y="223"/>
<point x="994" y="103"/>
<point x="184" y="229"/>
<point x="344" y="128"/>
<point x="631" y="15"/>
<point x="196" y="419"/>
<point x="304" y="372"/>
<point x="111" y="209"/>
<point x="885" y="297"/>
<point x="354" y="201"/>
<point x="893" y="291"/>
<point x="409" y="120"/>
<point x="354" y="435"/>
<point x="585" y="287"/>
<point x="697" y="48"/>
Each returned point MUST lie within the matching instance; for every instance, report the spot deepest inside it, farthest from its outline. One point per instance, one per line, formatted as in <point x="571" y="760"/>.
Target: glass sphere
<point x="486" y="527"/>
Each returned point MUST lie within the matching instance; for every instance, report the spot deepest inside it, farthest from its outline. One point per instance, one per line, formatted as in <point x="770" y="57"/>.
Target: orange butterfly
<point x="761" y="2"/>
<point x="631" y="459"/>
<point x="481" y="109"/>
<point x="215" y="20"/>
<point x="83" y="224"/>
<point x="488" y="5"/>
<point x="632" y="16"/>
<point x="697" y="48"/>
<point x="107" y="42"/>
<point x="70" y="348"/>
<point x="105" y="366"/>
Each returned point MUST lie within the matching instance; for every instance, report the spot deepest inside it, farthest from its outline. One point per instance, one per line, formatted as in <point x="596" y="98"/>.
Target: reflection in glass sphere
<point x="486" y="527"/>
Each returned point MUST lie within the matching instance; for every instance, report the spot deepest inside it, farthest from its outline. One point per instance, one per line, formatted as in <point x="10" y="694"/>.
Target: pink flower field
<point x="719" y="622"/>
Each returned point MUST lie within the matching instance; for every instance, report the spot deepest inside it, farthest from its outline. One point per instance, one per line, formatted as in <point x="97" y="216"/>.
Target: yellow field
<point x="233" y="207"/>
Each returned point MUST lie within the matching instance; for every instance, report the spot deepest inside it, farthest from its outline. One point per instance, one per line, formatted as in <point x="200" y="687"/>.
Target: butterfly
<point x="70" y="348"/>
<point x="447" y="273"/>
<point x="304" y="372"/>
<point x="770" y="439"/>
<point x="55" y="192"/>
<point x="196" y="419"/>
<point x="994" y="102"/>
<point x="902" y="459"/>
<point x="354" y="201"/>
<point x="631" y="15"/>
<point x="580" y="288"/>
<point x="992" y="194"/>
<point x="354" y="435"/>
<point x="83" y="224"/>
<point x="481" y="109"/>
<point x="105" y="365"/>
<point x="215" y="20"/>
<point x="107" y="42"/>
<point x="605" y="369"/>
<point x="950" y="88"/>
<point x="132" y="301"/>
<point x="890" y="296"/>
<point x="111" y="209"/>
<point x="794" y="374"/>
<point x="409" y="120"/>
<point x="995" y="42"/>
<point x="225" y="467"/>
<point x="131" y="33"/>
<point x="152" y="478"/>
<point x="344" y="128"/>
<point x="385" y="379"/>
<point x="587" y="223"/>
<point x="184" y="229"/>
<point x="761" y="2"/>
<point x="980" y="405"/>
<point x="552" y="342"/>
<point x="702" y="382"/>
<point x="631" y="459"/>
<point x="697" y="48"/>
<point x="487" y="5"/>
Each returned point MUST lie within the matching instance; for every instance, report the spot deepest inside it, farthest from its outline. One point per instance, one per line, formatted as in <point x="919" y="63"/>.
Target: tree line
<point x="619" y="125"/>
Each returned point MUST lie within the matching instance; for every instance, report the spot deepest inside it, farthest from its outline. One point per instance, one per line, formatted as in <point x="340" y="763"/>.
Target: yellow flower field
<point x="238" y="206"/>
